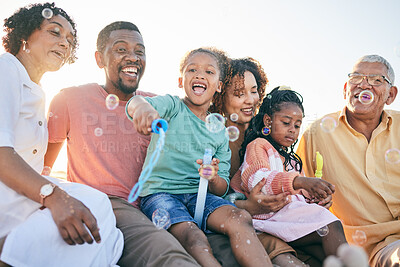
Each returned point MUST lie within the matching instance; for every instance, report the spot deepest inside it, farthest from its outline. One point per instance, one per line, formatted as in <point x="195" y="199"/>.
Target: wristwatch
<point x="45" y="191"/>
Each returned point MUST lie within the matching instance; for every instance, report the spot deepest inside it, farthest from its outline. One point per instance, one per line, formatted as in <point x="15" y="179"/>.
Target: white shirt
<point x="23" y="127"/>
<point x="33" y="238"/>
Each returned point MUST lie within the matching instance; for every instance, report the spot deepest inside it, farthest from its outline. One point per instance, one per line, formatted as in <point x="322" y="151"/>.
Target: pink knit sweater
<point x="263" y="161"/>
<point x="297" y="218"/>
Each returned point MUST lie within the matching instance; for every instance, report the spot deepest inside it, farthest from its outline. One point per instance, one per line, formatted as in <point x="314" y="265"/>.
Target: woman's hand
<point x="260" y="203"/>
<point x="71" y="216"/>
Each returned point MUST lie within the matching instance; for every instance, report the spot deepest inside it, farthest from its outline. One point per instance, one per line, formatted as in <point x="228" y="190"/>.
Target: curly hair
<point x="26" y="20"/>
<point x="219" y="55"/>
<point x="239" y="67"/>
<point x="272" y="103"/>
<point x="104" y="34"/>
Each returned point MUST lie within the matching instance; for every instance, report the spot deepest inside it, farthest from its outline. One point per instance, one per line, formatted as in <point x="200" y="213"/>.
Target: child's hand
<point x="143" y="114"/>
<point x="214" y="174"/>
<point x="326" y="202"/>
<point x="317" y="188"/>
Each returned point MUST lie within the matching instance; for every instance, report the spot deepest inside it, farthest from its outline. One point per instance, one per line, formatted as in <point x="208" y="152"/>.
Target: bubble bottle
<point x="206" y="172"/>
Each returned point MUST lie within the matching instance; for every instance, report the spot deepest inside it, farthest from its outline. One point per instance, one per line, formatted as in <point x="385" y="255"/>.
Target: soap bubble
<point x="112" y="102"/>
<point x="392" y="156"/>
<point x="366" y="97"/>
<point x="323" y="231"/>
<point x="46" y="171"/>
<point x="98" y="132"/>
<point x="47" y="13"/>
<point x="234" y="117"/>
<point x="207" y="171"/>
<point x="232" y="132"/>
<point x="359" y="237"/>
<point x="332" y="261"/>
<point x="328" y="124"/>
<point x="215" y="122"/>
<point x="161" y="219"/>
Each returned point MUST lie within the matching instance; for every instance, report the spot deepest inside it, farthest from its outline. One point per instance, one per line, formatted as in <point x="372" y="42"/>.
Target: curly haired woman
<point x="42" y="218"/>
<point x="239" y="101"/>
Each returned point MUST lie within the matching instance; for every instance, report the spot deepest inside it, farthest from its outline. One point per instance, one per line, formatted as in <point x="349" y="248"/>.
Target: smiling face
<point x="200" y="79"/>
<point x="124" y="61"/>
<point x="285" y="124"/>
<point x="242" y="98"/>
<point x="382" y="94"/>
<point x="50" y="46"/>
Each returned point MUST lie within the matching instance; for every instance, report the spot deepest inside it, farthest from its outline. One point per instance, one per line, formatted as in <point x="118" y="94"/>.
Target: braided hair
<point x="273" y="103"/>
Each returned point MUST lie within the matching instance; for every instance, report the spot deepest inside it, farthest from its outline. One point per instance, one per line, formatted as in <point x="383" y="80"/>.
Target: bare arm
<point x="53" y="149"/>
<point x="69" y="214"/>
<point x="142" y="113"/>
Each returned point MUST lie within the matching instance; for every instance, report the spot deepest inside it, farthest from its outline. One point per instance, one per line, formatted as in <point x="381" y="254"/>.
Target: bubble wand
<point x="159" y="126"/>
<point x="320" y="163"/>
<point x="208" y="171"/>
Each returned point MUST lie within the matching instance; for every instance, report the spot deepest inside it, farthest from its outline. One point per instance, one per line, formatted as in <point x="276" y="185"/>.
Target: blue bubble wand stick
<point x="203" y="186"/>
<point x="158" y="126"/>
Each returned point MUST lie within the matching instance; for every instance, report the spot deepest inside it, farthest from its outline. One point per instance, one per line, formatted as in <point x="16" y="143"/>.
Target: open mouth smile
<point x="130" y="71"/>
<point x="248" y="111"/>
<point x="199" y="88"/>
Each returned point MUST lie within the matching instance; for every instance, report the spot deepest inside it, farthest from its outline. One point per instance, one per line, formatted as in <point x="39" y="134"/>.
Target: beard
<point x="126" y="89"/>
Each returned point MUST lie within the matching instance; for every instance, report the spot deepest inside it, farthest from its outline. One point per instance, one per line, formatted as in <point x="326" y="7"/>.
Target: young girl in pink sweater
<point x="267" y="153"/>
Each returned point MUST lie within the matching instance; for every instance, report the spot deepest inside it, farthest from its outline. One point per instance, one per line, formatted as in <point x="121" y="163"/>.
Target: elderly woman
<point x="42" y="218"/>
<point x="239" y="101"/>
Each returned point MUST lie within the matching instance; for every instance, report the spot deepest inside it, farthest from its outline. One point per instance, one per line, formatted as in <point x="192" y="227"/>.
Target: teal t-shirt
<point x="176" y="171"/>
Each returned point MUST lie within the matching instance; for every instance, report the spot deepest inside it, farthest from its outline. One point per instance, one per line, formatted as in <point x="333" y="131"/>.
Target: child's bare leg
<point x="237" y="224"/>
<point x="195" y="242"/>
<point x="334" y="238"/>
<point x="310" y="241"/>
<point x="316" y="251"/>
<point x="287" y="259"/>
<point x="330" y="242"/>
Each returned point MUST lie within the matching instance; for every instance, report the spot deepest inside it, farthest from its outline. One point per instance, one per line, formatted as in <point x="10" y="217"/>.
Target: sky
<point x="309" y="45"/>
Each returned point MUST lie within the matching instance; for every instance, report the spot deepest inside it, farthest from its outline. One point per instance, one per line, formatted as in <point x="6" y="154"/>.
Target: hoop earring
<point x="26" y="50"/>
<point x="266" y="130"/>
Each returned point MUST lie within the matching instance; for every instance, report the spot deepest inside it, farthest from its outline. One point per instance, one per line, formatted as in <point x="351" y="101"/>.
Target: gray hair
<point x="379" y="59"/>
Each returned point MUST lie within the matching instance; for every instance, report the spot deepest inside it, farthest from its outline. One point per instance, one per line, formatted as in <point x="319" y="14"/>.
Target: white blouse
<point x="23" y="127"/>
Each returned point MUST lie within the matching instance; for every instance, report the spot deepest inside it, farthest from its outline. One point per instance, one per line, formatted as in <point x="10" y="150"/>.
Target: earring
<point x="26" y="50"/>
<point x="266" y="130"/>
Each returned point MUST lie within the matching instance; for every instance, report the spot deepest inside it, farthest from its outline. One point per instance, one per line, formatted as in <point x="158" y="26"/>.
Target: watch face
<point x="46" y="189"/>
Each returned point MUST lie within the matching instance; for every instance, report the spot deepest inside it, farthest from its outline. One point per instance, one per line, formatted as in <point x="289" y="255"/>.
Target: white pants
<point x="37" y="241"/>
